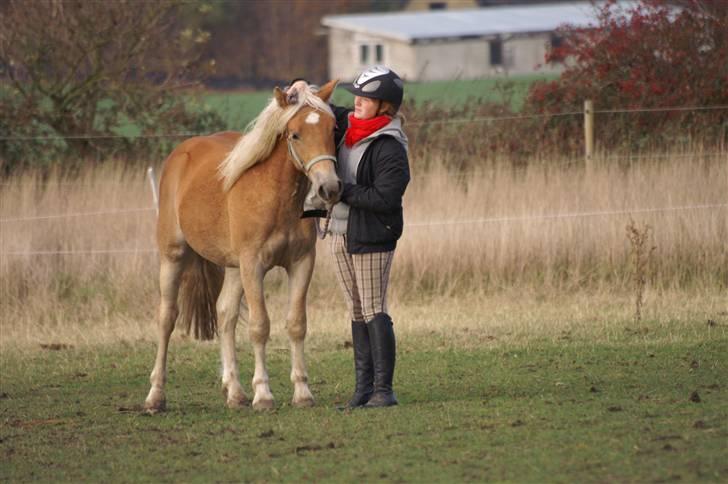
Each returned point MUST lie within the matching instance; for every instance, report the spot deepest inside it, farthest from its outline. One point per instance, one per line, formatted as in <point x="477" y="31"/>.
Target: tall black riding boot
<point x="381" y="337"/>
<point x="363" y="366"/>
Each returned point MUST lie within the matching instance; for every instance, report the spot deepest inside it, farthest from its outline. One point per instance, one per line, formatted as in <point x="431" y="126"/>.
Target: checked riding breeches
<point x="363" y="278"/>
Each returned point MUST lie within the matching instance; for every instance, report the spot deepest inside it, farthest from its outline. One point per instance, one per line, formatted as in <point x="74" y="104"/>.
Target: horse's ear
<point x="280" y="97"/>
<point x="327" y="89"/>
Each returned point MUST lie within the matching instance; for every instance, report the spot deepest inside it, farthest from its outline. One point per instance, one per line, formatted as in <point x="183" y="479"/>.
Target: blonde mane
<point x="261" y="134"/>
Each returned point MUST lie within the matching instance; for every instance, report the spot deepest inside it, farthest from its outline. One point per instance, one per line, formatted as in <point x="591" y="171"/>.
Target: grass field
<point x="519" y="359"/>
<point x="646" y="406"/>
<point x="237" y="109"/>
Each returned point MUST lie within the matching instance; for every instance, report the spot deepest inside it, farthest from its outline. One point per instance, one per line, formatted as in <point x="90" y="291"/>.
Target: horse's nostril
<point x="323" y="193"/>
<point x="341" y="187"/>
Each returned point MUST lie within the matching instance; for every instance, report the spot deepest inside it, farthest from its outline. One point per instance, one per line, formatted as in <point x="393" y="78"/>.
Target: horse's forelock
<point x="307" y="97"/>
<point x="262" y="133"/>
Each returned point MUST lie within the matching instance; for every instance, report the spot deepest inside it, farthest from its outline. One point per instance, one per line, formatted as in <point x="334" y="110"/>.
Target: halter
<point x="306" y="167"/>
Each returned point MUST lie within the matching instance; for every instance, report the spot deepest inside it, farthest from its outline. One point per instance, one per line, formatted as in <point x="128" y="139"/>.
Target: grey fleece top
<point x="348" y="163"/>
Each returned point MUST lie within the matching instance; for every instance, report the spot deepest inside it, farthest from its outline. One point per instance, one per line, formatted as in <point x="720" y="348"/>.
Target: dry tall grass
<point x="479" y="251"/>
<point x="544" y="225"/>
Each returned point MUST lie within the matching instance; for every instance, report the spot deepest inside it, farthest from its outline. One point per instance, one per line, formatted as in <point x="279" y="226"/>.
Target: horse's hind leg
<point x="252" y="273"/>
<point x="299" y="278"/>
<point x="171" y="268"/>
<point x="228" y="308"/>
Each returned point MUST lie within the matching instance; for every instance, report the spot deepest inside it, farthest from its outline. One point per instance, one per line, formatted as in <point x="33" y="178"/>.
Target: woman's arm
<point x="390" y="181"/>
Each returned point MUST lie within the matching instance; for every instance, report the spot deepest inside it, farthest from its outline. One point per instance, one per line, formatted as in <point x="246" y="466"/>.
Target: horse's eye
<point x="295" y="136"/>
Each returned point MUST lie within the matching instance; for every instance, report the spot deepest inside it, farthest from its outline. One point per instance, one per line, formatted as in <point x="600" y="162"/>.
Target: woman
<point x="366" y="224"/>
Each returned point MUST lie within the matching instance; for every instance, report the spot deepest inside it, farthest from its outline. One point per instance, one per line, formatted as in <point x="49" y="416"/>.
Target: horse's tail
<point x="199" y="288"/>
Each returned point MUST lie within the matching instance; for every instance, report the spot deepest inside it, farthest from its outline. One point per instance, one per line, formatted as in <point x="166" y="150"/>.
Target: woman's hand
<point x="292" y="91"/>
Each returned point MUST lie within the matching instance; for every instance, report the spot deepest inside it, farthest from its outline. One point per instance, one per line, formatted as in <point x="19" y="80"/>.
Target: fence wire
<point x="505" y="219"/>
<point x="478" y="119"/>
<point x="76" y="214"/>
<point x="556" y="216"/>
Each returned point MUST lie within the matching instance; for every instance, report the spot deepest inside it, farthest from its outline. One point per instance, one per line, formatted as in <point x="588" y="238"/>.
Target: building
<point x="446" y="45"/>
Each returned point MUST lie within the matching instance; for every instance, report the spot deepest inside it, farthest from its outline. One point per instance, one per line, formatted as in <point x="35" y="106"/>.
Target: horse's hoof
<point x="156" y="401"/>
<point x="262" y="405"/>
<point x="236" y="400"/>
<point x="239" y="401"/>
<point x="304" y="403"/>
<point x="153" y="408"/>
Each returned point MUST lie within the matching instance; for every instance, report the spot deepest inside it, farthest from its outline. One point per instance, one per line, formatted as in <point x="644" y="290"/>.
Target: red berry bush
<point x="654" y="54"/>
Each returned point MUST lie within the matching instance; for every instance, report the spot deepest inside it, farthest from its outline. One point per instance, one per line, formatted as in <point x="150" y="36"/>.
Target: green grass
<point x="572" y="412"/>
<point x="239" y="108"/>
<point x="457" y="93"/>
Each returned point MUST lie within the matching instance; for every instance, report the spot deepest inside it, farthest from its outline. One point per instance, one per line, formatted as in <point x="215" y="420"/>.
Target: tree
<point x="267" y="42"/>
<point x="75" y="67"/>
<point x="652" y="55"/>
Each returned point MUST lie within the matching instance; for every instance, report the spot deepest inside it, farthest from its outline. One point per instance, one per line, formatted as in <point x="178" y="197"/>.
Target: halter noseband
<point x="306" y="167"/>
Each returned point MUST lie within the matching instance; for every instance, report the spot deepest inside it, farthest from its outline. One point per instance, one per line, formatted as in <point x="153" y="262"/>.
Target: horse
<point x="229" y="211"/>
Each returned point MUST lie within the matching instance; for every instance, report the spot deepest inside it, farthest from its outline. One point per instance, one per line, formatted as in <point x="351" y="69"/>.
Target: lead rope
<point x="322" y="233"/>
<point x="326" y="223"/>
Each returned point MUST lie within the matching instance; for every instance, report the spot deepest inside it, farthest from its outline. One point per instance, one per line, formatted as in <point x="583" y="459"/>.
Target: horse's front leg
<point x="299" y="278"/>
<point x="252" y="273"/>
<point x="228" y="308"/>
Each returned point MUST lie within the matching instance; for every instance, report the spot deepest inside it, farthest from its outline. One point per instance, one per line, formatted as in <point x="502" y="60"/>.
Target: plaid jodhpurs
<point x="363" y="277"/>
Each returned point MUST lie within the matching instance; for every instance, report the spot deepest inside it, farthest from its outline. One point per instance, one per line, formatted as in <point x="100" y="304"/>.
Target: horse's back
<point x="192" y="200"/>
<point x="197" y="153"/>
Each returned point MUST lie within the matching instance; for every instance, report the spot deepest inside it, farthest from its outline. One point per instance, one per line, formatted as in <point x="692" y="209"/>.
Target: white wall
<point x="437" y="60"/>
<point x="344" y="55"/>
<point x="462" y="59"/>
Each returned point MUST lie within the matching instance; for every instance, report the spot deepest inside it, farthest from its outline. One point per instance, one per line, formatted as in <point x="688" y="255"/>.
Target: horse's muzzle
<point x="330" y="190"/>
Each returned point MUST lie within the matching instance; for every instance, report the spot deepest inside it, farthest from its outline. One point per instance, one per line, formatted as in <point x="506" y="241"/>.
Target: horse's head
<point x="310" y="137"/>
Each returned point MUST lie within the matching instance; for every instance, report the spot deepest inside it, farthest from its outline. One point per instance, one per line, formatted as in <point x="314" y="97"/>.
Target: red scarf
<point x="361" y="128"/>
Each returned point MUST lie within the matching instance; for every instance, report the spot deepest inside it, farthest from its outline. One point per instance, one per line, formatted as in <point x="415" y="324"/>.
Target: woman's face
<point x="365" y="108"/>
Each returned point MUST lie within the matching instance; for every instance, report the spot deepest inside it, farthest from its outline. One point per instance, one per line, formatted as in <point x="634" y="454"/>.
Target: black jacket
<point x="375" y="215"/>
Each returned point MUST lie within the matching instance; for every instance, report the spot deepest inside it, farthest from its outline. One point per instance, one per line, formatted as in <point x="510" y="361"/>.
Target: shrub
<point x="80" y="71"/>
<point x="650" y="55"/>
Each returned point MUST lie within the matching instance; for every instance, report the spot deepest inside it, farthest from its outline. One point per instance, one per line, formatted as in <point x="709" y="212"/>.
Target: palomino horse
<point x="235" y="202"/>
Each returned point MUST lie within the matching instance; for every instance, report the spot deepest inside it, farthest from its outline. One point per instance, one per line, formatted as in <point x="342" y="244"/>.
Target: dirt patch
<point x="131" y="409"/>
<point x="302" y="450"/>
<point x="34" y="423"/>
<point x="55" y="346"/>
<point x="668" y="437"/>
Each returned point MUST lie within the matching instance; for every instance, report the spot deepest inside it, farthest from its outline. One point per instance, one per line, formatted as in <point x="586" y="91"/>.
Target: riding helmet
<point x="378" y="82"/>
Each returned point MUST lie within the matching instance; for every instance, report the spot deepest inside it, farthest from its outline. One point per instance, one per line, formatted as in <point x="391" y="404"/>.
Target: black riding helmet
<point x="378" y="82"/>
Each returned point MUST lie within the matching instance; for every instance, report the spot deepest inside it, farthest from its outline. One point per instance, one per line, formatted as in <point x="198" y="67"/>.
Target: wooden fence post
<point x="588" y="132"/>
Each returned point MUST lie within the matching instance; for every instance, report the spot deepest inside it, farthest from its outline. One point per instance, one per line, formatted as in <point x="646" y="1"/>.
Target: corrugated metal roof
<point x="412" y="26"/>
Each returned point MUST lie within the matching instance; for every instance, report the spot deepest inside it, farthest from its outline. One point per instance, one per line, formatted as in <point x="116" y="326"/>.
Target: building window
<point x="438" y="5"/>
<point x="496" y="52"/>
<point x="370" y="53"/>
<point x="364" y="54"/>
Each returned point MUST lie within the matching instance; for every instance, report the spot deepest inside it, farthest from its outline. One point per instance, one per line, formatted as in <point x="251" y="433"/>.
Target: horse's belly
<point x="216" y="253"/>
<point x="285" y="248"/>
